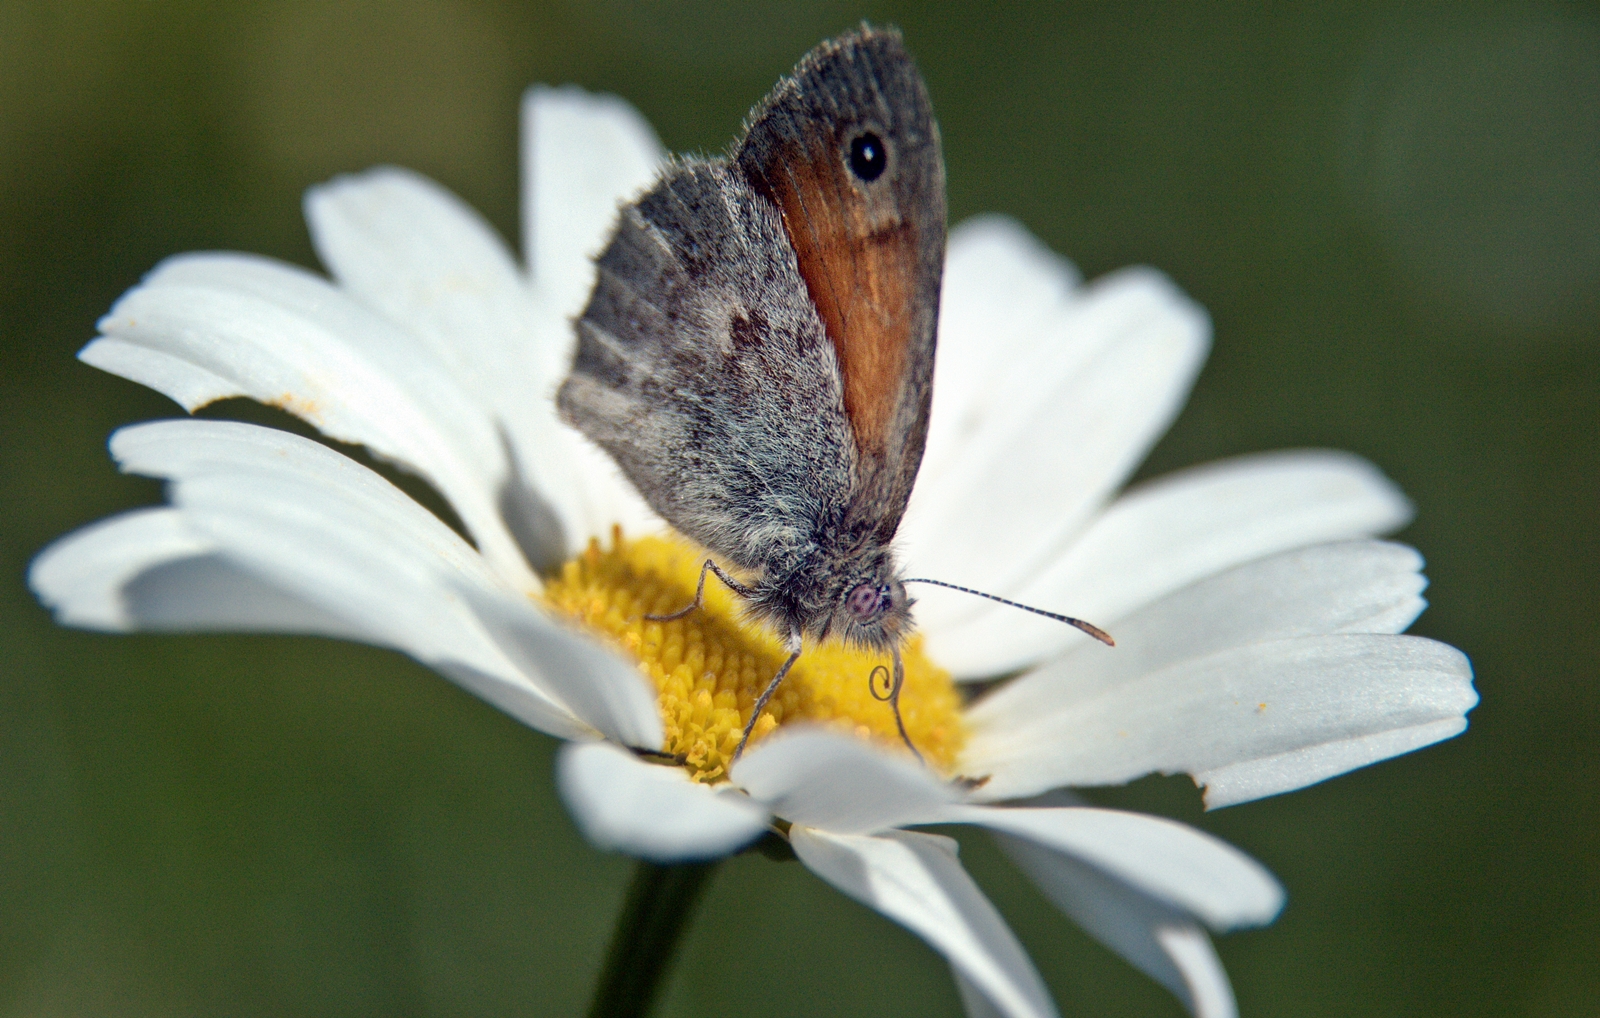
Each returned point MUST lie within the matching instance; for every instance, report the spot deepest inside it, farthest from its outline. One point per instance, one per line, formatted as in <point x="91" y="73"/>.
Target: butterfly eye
<point x="868" y="156"/>
<point x="866" y="602"/>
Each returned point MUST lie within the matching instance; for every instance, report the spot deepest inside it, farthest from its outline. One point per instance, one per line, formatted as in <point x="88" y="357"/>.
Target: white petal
<point x="391" y="595"/>
<point x="916" y="880"/>
<point x="585" y="487"/>
<point x="652" y="812"/>
<point x="1253" y="779"/>
<point x="593" y="681"/>
<point x="1002" y="291"/>
<point x="175" y="375"/>
<point x="583" y="154"/>
<point x="840" y="783"/>
<point x="186" y="451"/>
<point x="1169" y="861"/>
<point x="1166" y="534"/>
<point x="1209" y="994"/>
<point x="422" y="258"/>
<point x="397" y="603"/>
<point x="141" y="572"/>
<point x="1254" y="714"/>
<point x="973" y="1002"/>
<point x="205" y="327"/>
<point x="1346" y="587"/>
<point x="145" y="570"/>
<point x="326" y="531"/>
<point x="1161" y="941"/>
<point x="426" y="261"/>
<point x="80" y="577"/>
<point x="1072" y="417"/>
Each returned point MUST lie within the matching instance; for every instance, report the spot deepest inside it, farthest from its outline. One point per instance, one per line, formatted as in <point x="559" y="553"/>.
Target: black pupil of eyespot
<point x="868" y="158"/>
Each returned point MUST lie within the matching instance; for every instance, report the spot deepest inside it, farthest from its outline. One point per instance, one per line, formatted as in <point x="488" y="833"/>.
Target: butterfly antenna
<point x="1093" y="630"/>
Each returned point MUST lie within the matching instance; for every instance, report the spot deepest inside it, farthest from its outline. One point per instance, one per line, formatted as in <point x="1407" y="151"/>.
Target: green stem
<point x="653" y="917"/>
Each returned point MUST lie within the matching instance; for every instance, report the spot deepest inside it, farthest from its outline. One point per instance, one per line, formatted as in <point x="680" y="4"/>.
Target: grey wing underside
<point x="705" y="372"/>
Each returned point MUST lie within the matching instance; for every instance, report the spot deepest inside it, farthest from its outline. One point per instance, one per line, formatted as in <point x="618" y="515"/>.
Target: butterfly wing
<point x="848" y="151"/>
<point x="757" y="353"/>
<point x="705" y="372"/>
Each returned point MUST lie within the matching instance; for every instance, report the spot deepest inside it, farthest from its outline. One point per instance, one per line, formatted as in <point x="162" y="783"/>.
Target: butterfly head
<point x="855" y="596"/>
<point x="876" y="613"/>
<point x="870" y="607"/>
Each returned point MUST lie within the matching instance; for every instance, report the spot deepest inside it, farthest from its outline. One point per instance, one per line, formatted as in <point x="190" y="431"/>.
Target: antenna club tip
<point x="1096" y="632"/>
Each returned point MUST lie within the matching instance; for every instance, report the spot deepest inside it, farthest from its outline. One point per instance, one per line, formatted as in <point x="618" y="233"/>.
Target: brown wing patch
<point x="859" y="260"/>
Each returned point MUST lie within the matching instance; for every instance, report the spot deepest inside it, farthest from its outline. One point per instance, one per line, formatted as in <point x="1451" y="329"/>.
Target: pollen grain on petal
<point x="303" y="407"/>
<point x="710" y="666"/>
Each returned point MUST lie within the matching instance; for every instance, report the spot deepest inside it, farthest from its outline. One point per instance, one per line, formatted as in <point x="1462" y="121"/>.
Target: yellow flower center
<point x="709" y="667"/>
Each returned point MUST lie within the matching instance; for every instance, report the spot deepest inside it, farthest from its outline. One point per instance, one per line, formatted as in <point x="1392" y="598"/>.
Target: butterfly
<point x="757" y="353"/>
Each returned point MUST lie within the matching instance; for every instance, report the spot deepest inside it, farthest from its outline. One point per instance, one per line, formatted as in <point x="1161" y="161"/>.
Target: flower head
<point x="1255" y="617"/>
<point x="710" y="666"/>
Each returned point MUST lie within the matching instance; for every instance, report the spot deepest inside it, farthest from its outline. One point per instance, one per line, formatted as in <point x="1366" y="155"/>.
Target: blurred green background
<point x="1392" y="211"/>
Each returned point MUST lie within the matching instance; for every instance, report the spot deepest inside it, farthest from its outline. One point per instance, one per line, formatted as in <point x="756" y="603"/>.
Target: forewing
<point x="705" y="372"/>
<point x="870" y="249"/>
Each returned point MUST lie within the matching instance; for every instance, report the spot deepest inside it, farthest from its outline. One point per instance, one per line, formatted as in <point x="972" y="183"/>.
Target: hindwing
<point x="705" y="372"/>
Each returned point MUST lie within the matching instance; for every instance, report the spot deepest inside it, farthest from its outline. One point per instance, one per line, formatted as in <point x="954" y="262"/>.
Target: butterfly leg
<point x="700" y="593"/>
<point x="793" y="647"/>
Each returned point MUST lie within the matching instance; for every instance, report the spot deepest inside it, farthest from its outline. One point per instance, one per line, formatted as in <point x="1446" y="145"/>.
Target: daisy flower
<point x="1256" y="619"/>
